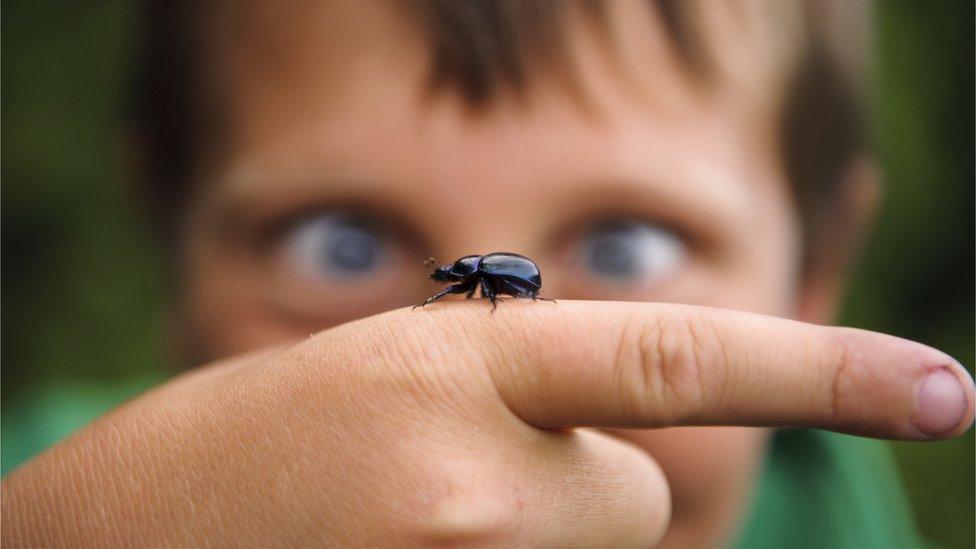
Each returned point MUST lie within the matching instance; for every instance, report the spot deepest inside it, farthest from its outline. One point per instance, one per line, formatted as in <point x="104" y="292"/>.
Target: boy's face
<point x="342" y="171"/>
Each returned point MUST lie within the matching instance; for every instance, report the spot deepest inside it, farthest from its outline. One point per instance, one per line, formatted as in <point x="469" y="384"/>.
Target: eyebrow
<point x="702" y="202"/>
<point x="245" y="200"/>
<point x="692" y="206"/>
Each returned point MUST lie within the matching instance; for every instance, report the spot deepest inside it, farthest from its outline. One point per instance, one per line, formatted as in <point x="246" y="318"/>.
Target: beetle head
<point x="441" y="273"/>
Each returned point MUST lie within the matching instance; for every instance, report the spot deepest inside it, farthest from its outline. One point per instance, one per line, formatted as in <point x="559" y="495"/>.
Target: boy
<point x="307" y="160"/>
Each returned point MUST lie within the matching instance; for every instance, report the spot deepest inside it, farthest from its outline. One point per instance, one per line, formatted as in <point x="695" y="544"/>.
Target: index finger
<point x="645" y="365"/>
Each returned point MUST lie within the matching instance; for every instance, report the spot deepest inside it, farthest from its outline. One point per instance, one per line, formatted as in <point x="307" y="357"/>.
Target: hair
<point x="480" y="46"/>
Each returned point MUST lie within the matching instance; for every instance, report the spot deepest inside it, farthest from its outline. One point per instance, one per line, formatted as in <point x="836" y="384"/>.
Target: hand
<point x="450" y="424"/>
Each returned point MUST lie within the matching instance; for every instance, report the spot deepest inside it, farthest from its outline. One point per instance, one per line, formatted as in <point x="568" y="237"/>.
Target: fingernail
<point x="941" y="403"/>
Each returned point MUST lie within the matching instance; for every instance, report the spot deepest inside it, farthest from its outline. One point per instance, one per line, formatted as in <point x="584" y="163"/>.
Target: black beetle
<point x="495" y="273"/>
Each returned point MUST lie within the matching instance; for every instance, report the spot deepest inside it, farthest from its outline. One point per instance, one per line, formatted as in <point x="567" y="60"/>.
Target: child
<point x="306" y="159"/>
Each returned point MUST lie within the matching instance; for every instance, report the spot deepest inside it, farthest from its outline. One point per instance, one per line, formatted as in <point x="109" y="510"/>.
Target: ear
<point x="842" y="237"/>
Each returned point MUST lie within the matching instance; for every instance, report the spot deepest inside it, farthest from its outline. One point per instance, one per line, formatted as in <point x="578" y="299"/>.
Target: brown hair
<point x="479" y="46"/>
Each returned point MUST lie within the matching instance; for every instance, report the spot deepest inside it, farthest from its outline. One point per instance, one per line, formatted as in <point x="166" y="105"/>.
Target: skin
<point x="450" y="425"/>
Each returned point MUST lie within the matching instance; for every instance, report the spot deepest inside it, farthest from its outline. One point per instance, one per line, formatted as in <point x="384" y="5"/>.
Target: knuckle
<point x="627" y="486"/>
<point x="384" y="354"/>
<point x="671" y="353"/>
<point x="467" y="505"/>
<point x="842" y="365"/>
<point x="435" y="366"/>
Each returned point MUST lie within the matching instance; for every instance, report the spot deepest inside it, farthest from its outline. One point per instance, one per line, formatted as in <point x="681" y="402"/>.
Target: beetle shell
<point x="516" y="268"/>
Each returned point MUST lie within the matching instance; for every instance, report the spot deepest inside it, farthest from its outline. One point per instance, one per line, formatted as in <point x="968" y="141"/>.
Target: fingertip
<point x="944" y="402"/>
<point x="965" y="379"/>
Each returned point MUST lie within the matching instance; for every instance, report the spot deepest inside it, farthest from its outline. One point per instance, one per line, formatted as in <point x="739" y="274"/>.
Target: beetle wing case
<point x="512" y="266"/>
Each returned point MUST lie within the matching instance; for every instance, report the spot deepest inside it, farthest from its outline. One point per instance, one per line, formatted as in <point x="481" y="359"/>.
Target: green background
<point x="84" y="286"/>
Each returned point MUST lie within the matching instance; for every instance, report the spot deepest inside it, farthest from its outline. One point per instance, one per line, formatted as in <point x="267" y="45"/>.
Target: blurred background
<point x="84" y="288"/>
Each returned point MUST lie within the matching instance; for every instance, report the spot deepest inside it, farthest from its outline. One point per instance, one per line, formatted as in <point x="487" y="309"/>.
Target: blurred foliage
<point x="83" y="285"/>
<point x="918" y="276"/>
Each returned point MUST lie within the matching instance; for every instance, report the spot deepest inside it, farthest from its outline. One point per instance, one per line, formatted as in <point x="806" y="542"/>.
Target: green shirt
<point x="817" y="490"/>
<point x="822" y="489"/>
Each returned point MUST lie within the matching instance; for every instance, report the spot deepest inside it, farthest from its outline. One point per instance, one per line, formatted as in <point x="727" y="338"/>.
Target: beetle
<point x="495" y="273"/>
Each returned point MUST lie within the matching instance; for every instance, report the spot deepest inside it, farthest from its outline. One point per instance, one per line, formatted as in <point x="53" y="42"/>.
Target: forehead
<point x="339" y="93"/>
<point x="275" y="59"/>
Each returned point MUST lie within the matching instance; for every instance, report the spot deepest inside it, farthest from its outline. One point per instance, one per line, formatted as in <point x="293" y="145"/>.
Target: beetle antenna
<point x="430" y="263"/>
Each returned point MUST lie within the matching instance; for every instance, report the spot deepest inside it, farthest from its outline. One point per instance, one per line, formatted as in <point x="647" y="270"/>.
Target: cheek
<point x="219" y="313"/>
<point x="758" y="272"/>
<point x="229" y="306"/>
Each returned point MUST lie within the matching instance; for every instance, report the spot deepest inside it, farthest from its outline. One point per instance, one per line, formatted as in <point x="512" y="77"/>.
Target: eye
<point x="336" y="245"/>
<point x="627" y="251"/>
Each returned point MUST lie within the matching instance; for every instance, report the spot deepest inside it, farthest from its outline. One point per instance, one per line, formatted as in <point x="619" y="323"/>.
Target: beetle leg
<point x="488" y="292"/>
<point x="535" y="297"/>
<point x="452" y="289"/>
<point x="474" y="287"/>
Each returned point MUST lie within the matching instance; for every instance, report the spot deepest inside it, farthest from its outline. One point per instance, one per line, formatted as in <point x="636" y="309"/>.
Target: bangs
<point x="479" y="47"/>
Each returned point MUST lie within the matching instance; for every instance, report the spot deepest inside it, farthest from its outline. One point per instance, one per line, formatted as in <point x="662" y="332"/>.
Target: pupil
<point x="351" y="248"/>
<point x="611" y="255"/>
